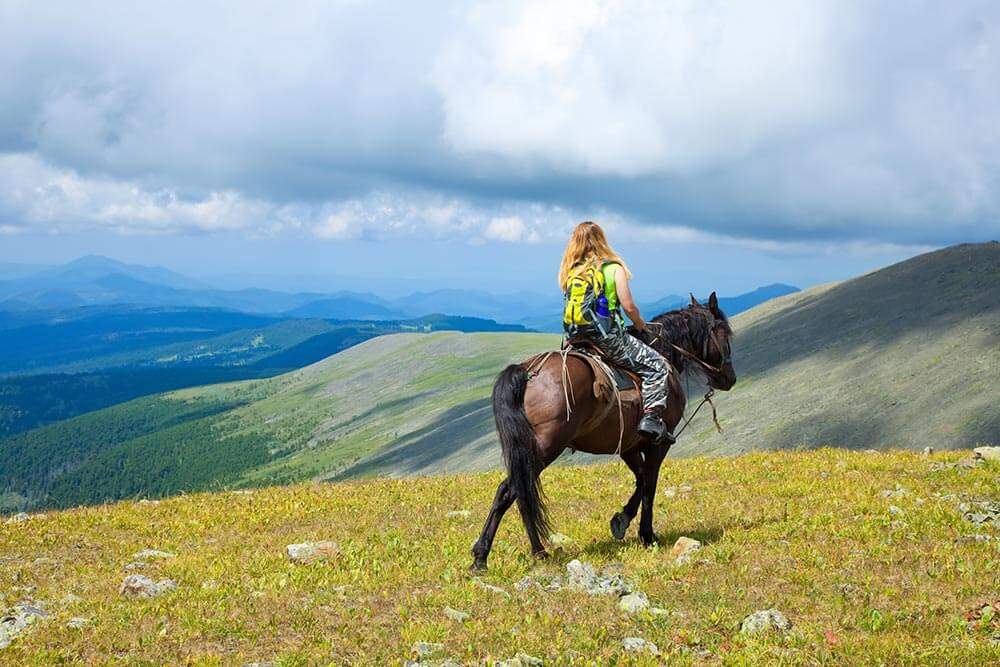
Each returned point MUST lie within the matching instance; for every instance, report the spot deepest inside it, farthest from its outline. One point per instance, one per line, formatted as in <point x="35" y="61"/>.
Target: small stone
<point x="683" y="550"/>
<point x="765" y="620"/>
<point x="898" y="492"/>
<point x="638" y="645"/>
<point x="209" y="585"/>
<point x="670" y="492"/>
<point x="928" y="451"/>
<point x="426" y="649"/>
<point x="131" y="567"/>
<point x="987" y="453"/>
<point x="520" y="660"/>
<point x="152" y="554"/>
<point x="459" y="514"/>
<point x="479" y="583"/>
<point x="633" y="603"/>
<point x="526" y="583"/>
<point x="18" y="620"/>
<point x="456" y="615"/>
<point x="580" y="575"/>
<point x="69" y="598"/>
<point x="312" y="552"/>
<point x="895" y="511"/>
<point x="20" y="517"/>
<point x="139" y="586"/>
<point x="558" y="539"/>
<point x="77" y="622"/>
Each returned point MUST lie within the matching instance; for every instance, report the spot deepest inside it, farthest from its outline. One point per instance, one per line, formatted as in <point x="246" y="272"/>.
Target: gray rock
<point x="764" y="621"/>
<point x="520" y="660"/>
<point x="312" y="552"/>
<point x="928" y="451"/>
<point x="459" y="514"/>
<point x="77" y="622"/>
<point x="987" y="453"/>
<point x="898" y="492"/>
<point x="633" y="603"/>
<point x="639" y="645"/>
<point x="581" y="576"/>
<point x="896" y="511"/>
<point x="69" y="598"/>
<point x="426" y="649"/>
<point x="20" y="618"/>
<point x="152" y="554"/>
<point x="456" y="615"/>
<point x="558" y="539"/>
<point x="132" y="567"/>
<point x="139" y="586"/>
<point x="20" y="517"/>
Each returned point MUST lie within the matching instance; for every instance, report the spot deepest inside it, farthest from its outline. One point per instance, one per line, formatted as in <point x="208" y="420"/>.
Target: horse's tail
<point x="519" y="448"/>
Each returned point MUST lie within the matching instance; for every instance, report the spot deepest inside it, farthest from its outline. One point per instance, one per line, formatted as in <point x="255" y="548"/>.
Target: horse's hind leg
<point x="621" y="520"/>
<point x="501" y="503"/>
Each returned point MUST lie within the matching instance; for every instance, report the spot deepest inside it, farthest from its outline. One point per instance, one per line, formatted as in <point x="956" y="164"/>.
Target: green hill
<point x="404" y="403"/>
<point x="875" y="559"/>
<point x="907" y="357"/>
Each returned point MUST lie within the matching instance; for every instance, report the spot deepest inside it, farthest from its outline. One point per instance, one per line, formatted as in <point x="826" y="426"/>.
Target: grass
<point x="809" y="533"/>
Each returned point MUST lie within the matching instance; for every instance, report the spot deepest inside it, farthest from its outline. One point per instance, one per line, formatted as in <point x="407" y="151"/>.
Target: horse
<point x="542" y="413"/>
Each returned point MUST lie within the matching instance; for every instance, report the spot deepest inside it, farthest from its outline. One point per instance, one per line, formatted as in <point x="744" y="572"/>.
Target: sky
<point x="360" y="144"/>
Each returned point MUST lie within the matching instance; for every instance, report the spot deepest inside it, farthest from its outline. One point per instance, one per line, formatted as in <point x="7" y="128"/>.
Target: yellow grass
<point x="808" y="533"/>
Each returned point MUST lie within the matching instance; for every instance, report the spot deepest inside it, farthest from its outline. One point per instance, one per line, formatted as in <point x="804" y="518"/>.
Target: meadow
<point x="872" y="557"/>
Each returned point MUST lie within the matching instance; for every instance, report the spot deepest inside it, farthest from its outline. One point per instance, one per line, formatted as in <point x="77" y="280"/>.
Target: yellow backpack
<point x="582" y="289"/>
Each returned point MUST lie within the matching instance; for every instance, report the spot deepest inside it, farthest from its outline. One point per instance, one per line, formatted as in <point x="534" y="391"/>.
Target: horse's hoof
<point x="619" y="524"/>
<point x="478" y="565"/>
<point x="540" y="555"/>
<point x="648" y="540"/>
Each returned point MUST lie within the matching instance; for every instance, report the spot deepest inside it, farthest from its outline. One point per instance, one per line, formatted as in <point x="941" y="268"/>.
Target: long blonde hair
<point x="588" y="246"/>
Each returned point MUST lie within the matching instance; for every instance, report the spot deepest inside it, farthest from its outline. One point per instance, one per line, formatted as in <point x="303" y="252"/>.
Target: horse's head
<point x="716" y="350"/>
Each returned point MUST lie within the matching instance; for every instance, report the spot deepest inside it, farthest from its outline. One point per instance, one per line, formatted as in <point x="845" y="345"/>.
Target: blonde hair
<point x="588" y="246"/>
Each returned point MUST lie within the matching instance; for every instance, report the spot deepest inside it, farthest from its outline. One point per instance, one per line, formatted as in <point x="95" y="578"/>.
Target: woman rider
<point x="588" y="251"/>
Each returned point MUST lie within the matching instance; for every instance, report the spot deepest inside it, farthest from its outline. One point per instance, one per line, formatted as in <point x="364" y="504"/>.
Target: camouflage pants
<point x="628" y="351"/>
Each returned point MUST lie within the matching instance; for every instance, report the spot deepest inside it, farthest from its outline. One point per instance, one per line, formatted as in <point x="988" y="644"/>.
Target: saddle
<point x="620" y="379"/>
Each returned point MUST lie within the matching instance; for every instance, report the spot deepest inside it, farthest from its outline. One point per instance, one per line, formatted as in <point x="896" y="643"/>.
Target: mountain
<point x="350" y="306"/>
<point x="907" y="356"/>
<point x="809" y="534"/>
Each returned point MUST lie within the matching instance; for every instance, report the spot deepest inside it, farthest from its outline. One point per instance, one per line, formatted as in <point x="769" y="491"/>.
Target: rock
<point x="526" y="583"/>
<point x="987" y="453"/>
<point x="459" y="514"/>
<point x="152" y="554"/>
<point x="139" y="586"/>
<point x="670" y="492"/>
<point x="896" y="511"/>
<point x="132" y="567"/>
<point x="426" y="649"/>
<point x="981" y="512"/>
<point x="683" y="550"/>
<point x="20" y="517"/>
<point x="581" y="576"/>
<point x="928" y="451"/>
<point x="633" y="603"/>
<point x="456" y="615"/>
<point x="77" y="622"/>
<point x="520" y="660"/>
<point x="479" y="583"/>
<point x="557" y="539"/>
<point x="765" y="620"/>
<point x="639" y="645"/>
<point x="69" y="598"/>
<point x="312" y="552"/>
<point x="898" y="492"/>
<point x="18" y="620"/>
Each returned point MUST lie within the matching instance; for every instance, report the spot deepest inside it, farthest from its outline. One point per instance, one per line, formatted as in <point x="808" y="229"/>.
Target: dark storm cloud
<point x="835" y="121"/>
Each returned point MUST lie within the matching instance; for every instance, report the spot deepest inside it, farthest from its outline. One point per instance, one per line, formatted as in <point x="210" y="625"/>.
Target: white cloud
<point x="510" y="229"/>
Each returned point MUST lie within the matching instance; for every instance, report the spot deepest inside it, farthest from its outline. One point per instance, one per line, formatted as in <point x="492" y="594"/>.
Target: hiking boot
<point x="652" y="425"/>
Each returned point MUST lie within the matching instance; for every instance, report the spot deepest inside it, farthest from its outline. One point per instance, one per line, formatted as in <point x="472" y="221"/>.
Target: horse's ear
<point x="713" y="303"/>
<point x="694" y="301"/>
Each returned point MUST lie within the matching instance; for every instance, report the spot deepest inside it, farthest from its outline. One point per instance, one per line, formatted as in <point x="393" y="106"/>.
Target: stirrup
<point x="652" y="425"/>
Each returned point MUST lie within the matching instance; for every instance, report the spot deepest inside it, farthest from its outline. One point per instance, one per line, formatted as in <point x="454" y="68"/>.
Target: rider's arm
<point x="626" y="300"/>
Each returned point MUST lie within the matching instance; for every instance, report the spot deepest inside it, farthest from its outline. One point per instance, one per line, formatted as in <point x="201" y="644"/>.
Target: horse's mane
<point x="689" y="328"/>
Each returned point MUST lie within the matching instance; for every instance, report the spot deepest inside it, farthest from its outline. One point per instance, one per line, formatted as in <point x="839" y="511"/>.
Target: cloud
<point x="772" y="123"/>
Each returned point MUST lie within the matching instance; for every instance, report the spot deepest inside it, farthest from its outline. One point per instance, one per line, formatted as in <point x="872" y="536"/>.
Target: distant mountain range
<point x="95" y="280"/>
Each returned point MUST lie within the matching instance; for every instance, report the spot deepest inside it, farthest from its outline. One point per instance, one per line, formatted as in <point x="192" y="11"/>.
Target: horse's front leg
<point x="501" y="503"/>
<point x="650" y="474"/>
<point x="621" y="520"/>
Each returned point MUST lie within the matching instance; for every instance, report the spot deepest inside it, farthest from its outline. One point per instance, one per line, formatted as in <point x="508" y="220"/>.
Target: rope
<point x="715" y="419"/>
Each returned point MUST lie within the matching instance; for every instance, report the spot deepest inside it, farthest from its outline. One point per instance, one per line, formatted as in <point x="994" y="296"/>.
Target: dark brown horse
<point x="539" y="415"/>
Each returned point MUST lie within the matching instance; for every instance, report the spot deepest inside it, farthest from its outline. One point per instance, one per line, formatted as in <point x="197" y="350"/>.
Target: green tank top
<point x="610" y="288"/>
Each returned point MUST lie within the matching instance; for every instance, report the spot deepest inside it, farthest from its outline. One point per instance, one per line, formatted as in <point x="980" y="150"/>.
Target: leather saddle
<point x="621" y="379"/>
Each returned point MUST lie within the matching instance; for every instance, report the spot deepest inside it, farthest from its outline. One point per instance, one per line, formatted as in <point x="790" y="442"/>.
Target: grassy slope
<point x="809" y="533"/>
<point x="907" y="357"/>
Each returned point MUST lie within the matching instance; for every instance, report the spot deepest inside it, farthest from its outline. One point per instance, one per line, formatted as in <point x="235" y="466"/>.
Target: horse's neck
<point x="680" y="332"/>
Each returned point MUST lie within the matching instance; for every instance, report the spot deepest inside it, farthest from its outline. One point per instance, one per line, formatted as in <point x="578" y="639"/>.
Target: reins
<point x="715" y="419"/>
